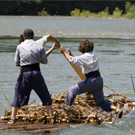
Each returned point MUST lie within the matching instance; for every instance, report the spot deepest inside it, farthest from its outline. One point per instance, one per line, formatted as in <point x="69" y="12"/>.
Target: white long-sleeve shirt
<point x="29" y="52"/>
<point x="88" y="61"/>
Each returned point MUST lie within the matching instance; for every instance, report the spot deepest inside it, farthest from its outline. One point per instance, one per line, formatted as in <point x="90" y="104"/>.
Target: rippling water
<point x="114" y="46"/>
<point x="68" y="26"/>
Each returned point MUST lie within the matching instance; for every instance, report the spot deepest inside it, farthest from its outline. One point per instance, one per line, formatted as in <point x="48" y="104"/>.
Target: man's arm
<point x="67" y="55"/>
<point x="42" y="41"/>
<point x="50" y="37"/>
<point x="55" y="46"/>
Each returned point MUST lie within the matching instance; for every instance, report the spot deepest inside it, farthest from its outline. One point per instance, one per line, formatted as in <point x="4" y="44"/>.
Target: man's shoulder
<point x="38" y="46"/>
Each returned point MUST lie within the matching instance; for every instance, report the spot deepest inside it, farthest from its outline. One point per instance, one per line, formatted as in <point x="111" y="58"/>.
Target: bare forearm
<point x="49" y="52"/>
<point x="67" y="55"/>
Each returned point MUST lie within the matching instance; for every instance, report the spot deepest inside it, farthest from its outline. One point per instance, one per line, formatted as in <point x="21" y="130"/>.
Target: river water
<point x="114" y="41"/>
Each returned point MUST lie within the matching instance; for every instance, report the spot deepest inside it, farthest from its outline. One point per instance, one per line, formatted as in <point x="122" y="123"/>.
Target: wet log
<point x="33" y="128"/>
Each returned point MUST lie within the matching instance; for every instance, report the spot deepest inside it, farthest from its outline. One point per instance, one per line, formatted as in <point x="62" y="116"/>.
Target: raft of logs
<point x="83" y="110"/>
<point x="33" y="117"/>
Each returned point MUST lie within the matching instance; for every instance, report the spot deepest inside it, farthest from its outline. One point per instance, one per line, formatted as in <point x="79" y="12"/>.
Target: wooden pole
<point x="7" y="99"/>
<point x="75" y="67"/>
<point x="132" y="83"/>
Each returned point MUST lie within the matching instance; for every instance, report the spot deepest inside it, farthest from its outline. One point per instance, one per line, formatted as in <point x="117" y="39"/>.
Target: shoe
<point x="119" y="114"/>
<point x="11" y="122"/>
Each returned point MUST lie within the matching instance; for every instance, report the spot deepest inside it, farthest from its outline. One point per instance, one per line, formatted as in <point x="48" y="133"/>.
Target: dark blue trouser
<point x="31" y="80"/>
<point x="93" y="85"/>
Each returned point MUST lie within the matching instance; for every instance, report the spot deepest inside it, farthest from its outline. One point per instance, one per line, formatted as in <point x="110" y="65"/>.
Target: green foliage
<point x="85" y="13"/>
<point x="130" y="11"/>
<point x="117" y="13"/>
<point x="43" y="13"/>
<point x="75" y="12"/>
<point x="104" y="13"/>
<point x="114" y="9"/>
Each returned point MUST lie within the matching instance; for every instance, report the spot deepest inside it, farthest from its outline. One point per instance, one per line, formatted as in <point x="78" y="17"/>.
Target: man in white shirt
<point x="29" y="54"/>
<point x="93" y="82"/>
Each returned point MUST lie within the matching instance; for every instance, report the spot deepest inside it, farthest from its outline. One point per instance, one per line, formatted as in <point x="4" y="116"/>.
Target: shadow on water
<point x="9" y="43"/>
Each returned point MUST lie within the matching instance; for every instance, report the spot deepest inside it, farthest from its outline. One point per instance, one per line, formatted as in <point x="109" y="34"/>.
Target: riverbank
<point x="68" y="27"/>
<point x="127" y="13"/>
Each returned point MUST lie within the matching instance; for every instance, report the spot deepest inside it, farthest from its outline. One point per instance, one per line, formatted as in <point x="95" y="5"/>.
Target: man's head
<point x="86" y="46"/>
<point x="28" y="34"/>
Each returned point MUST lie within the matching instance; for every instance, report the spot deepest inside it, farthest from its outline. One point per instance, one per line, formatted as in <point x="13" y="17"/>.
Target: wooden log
<point x="34" y="128"/>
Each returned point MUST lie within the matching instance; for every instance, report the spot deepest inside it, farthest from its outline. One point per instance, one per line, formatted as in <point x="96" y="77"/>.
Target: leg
<point x="84" y="86"/>
<point x="13" y="115"/>
<point x="74" y="91"/>
<point x="22" y="88"/>
<point x="42" y="91"/>
<point x="99" y="97"/>
<point x="105" y="105"/>
<point x="14" y="112"/>
<point x="26" y="98"/>
<point x="49" y="110"/>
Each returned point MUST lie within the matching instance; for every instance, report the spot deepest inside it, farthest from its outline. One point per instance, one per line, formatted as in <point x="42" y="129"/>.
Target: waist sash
<point x="93" y="74"/>
<point x="30" y="67"/>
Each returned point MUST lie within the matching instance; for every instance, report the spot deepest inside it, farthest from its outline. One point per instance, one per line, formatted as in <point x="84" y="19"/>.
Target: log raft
<point x="33" y="118"/>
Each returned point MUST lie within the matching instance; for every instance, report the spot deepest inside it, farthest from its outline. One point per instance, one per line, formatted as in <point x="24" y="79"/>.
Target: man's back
<point x="29" y="52"/>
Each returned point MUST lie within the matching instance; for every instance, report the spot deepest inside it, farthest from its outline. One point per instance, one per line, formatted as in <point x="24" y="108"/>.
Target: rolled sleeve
<point x="42" y="41"/>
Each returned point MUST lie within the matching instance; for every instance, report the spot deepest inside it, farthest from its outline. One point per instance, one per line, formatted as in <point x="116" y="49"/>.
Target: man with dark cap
<point x="28" y="56"/>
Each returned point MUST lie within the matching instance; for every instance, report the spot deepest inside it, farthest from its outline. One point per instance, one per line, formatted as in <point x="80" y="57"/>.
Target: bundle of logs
<point x="83" y="110"/>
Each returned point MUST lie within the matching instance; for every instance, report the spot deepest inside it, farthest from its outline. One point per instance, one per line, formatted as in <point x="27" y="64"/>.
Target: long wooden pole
<point x="7" y="99"/>
<point x="75" y="67"/>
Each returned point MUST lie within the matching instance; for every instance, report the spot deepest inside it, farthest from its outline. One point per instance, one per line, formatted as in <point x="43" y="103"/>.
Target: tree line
<point x="60" y="8"/>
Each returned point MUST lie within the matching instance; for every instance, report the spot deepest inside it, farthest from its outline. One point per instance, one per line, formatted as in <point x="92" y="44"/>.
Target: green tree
<point x="117" y="13"/>
<point x="130" y="10"/>
<point x="104" y="13"/>
<point x="75" y="12"/>
<point x="85" y="13"/>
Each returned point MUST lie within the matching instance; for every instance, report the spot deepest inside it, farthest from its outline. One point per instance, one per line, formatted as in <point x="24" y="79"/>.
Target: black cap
<point x="28" y="33"/>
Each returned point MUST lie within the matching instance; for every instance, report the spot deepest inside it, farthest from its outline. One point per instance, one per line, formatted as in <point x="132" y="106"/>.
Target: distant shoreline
<point x="64" y="17"/>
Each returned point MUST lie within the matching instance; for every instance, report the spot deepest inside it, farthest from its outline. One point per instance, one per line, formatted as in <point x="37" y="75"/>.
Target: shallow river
<point x="114" y="41"/>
